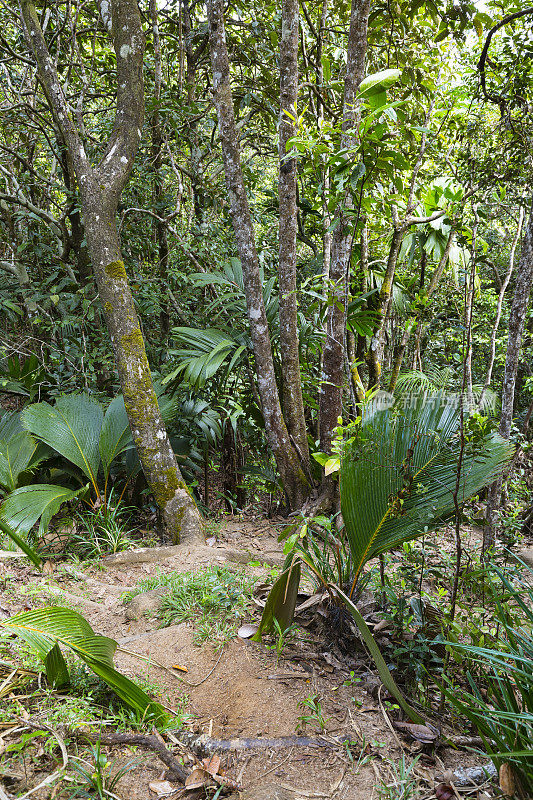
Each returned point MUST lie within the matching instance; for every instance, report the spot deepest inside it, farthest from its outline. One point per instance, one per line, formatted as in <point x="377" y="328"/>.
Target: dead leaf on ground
<point x="207" y="773"/>
<point x="314" y="600"/>
<point x="444" y="791"/>
<point x="197" y="779"/>
<point x="507" y="781"/>
<point x="422" y="733"/>
<point x="179" y="667"/>
<point x="164" y="789"/>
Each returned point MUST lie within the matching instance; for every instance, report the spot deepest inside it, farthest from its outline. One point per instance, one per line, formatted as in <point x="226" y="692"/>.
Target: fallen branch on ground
<point x="204" y="745"/>
<point x="177" y="770"/>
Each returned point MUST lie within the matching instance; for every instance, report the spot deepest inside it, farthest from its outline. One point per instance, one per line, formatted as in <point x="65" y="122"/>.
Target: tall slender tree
<point x="333" y="373"/>
<point x="292" y="475"/>
<point x="293" y="406"/>
<point x="100" y="189"/>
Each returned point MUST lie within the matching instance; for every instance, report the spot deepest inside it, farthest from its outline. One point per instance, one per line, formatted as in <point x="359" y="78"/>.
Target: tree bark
<point x="332" y="379"/>
<point x="292" y="476"/>
<point x="499" y="306"/>
<point x="375" y="351"/>
<point x="160" y="226"/>
<point x="293" y="406"/>
<point x="517" y="317"/>
<point x="100" y="190"/>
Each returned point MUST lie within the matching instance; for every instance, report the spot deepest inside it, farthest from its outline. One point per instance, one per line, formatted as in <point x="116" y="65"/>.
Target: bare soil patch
<point x="242" y="691"/>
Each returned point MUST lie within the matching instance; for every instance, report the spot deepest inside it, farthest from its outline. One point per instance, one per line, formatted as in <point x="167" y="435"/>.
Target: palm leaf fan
<point x="398" y="474"/>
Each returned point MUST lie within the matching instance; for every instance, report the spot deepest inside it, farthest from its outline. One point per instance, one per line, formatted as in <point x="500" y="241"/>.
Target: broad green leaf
<point x="281" y="601"/>
<point x="27" y="504"/>
<point x="19" y="454"/>
<point x="56" y="667"/>
<point x="47" y="628"/>
<point x="20" y="542"/>
<point x="398" y="473"/>
<point x="115" y="435"/>
<point x="71" y="427"/>
<point x="379" y="82"/>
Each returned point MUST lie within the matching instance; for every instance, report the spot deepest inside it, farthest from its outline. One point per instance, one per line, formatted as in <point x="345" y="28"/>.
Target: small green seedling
<point x="314" y="715"/>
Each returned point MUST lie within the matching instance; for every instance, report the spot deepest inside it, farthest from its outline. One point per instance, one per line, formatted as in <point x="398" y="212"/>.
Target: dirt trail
<point x="243" y="691"/>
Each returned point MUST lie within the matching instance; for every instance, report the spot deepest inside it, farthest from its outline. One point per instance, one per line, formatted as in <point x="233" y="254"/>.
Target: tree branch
<point x="483" y="58"/>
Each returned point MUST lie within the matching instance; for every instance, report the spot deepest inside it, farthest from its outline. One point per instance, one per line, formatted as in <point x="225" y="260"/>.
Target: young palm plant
<point x="398" y="478"/>
<point x="77" y="429"/>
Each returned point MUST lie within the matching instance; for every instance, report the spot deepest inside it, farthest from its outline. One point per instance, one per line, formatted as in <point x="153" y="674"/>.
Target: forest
<point x="266" y="399"/>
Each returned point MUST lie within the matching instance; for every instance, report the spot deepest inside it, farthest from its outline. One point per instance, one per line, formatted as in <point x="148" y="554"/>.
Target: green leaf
<point x="115" y="434"/>
<point x="71" y="427"/>
<point x="56" y="667"/>
<point x="379" y="82"/>
<point x="379" y="661"/>
<point x="27" y="504"/>
<point x="398" y="473"/>
<point x="281" y="600"/>
<point x="19" y="454"/>
<point x="20" y="542"/>
<point x="47" y="628"/>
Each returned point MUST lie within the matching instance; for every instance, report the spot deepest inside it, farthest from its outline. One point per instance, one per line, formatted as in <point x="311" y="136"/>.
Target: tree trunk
<point x="293" y="406"/>
<point x="524" y="279"/>
<point x="375" y="351"/>
<point x="332" y="379"/>
<point x="100" y="190"/>
<point x="160" y="226"/>
<point x="499" y="306"/>
<point x="292" y="476"/>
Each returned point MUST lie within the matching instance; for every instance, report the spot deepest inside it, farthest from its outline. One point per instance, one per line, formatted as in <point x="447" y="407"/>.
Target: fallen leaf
<point x="162" y="788"/>
<point x="212" y="765"/>
<point x="422" y="733"/>
<point x="444" y="791"/>
<point x="198" y="778"/>
<point x="48" y="568"/>
<point x="311" y="601"/>
<point x="246" y="631"/>
<point x="179" y="667"/>
<point x="381" y="626"/>
<point x="507" y="781"/>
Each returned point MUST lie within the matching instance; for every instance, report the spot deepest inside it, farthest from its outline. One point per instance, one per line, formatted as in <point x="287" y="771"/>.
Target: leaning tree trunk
<point x="517" y="317"/>
<point x="100" y="190"/>
<point x="330" y="399"/>
<point x="293" y="405"/>
<point x="292" y="476"/>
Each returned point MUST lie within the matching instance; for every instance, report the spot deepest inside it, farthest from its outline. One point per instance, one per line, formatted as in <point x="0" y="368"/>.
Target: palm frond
<point x="26" y="505"/>
<point x="71" y="427"/>
<point x="46" y="629"/>
<point x="202" y="354"/>
<point x="18" y="455"/>
<point x="398" y="474"/>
